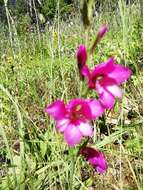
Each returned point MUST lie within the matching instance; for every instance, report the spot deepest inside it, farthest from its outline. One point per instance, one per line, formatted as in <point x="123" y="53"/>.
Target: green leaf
<point x="43" y="148"/>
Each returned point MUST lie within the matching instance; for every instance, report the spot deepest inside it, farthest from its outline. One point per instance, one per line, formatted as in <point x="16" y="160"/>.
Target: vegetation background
<point x="38" y="66"/>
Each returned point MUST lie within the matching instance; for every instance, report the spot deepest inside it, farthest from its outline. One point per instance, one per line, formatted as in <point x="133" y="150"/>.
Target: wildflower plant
<point x="74" y="119"/>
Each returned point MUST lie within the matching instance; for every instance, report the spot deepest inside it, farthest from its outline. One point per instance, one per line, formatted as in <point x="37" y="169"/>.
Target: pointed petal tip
<point x="102" y="30"/>
<point x="95" y="158"/>
<point x="56" y="109"/>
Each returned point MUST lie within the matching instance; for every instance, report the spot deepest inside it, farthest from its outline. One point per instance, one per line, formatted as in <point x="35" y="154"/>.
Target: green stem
<point x="74" y="156"/>
<point x="73" y="162"/>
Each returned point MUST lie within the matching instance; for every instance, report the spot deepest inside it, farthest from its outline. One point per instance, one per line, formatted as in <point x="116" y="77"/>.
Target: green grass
<point x="35" y="71"/>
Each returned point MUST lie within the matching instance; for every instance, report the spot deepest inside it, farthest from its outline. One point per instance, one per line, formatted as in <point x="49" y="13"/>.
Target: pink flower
<point x="102" y="31"/>
<point x="106" y="78"/>
<point x="95" y="158"/>
<point x="81" y="55"/>
<point x="73" y="119"/>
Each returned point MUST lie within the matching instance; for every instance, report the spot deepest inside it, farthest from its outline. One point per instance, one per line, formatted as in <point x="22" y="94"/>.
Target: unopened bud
<point x="102" y="30"/>
<point x="81" y="55"/>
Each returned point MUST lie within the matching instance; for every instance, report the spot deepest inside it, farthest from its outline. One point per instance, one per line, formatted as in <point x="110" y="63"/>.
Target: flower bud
<point x="102" y="30"/>
<point x="81" y="55"/>
<point x="95" y="158"/>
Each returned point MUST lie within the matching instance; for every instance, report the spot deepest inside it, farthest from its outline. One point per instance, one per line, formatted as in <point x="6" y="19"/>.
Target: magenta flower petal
<point x="104" y="68"/>
<point x="120" y="73"/>
<point x="61" y="125"/>
<point x="102" y="30"/>
<point x="115" y="90"/>
<point x="81" y="55"/>
<point x="95" y="158"/>
<point x="100" y="170"/>
<point x="86" y="73"/>
<point x="98" y="161"/>
<point x="57" y="109"/>
<point x="107" y="100"/>
<point x="80" y="108"/>
<point x="96" y="107"/>
<point x="72" y="135"/>
<point x="112" y="70"/>
<point x="85" y="129"/>
<point x="111" y="86"/>
<point x="105" y="97"/>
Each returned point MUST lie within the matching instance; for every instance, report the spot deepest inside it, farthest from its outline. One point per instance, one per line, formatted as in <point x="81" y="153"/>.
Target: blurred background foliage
<point x="43" y="11"/>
